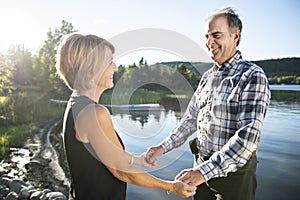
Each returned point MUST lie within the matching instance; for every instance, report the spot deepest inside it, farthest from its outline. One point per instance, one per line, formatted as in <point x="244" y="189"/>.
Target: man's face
<point x="220" y="42"/>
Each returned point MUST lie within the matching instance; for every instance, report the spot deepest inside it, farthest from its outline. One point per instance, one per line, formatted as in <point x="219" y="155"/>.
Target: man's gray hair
<point x="233" y="19"/>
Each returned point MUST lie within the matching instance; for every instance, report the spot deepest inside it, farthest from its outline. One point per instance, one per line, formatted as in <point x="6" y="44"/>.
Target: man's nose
<point x="209" y="41"/>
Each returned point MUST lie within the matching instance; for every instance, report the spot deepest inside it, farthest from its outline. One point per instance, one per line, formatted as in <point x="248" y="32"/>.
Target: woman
<point x="99" y="165"/>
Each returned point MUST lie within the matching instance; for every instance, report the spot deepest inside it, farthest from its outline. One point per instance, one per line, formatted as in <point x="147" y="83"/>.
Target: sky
<point x="270" y="27"/>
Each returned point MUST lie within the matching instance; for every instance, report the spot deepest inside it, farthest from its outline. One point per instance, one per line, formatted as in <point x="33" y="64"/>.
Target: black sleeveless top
<point x="91" y="179"/>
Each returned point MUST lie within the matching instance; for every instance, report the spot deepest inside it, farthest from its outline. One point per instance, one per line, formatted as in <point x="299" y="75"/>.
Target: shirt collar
<point x="229" y="63"/>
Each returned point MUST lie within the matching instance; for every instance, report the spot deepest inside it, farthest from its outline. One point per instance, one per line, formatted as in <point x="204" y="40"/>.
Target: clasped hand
<point x="182" y="185"/>
<point x="190" y="176"/>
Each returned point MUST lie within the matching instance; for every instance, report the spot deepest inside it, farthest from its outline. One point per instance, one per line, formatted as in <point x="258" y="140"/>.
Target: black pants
<point x="240" y="185"/>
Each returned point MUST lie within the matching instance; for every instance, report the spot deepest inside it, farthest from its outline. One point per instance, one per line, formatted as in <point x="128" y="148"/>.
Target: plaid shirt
<point x="227" y="111"/>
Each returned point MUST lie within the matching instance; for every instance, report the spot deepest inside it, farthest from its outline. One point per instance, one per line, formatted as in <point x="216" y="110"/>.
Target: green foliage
<point x="12" y="136"/>
<point x="280" y="67"/>
<point x="23" y="72"/>
<point x="188" y="74"/>
<point x="159" y="77"/>
<point x="284" y="80"/>
<point x="44" y="63"/>
<point x="118" y="74"/>
<point x="6" y="74"/>
<point x="140" y="96"/>
<point x="19" y="112"/>
<point x="28" y="107"/>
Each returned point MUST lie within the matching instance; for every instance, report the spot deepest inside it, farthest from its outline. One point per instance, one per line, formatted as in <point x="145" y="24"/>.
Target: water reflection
<point x="143" y="115"/>
<point x="278" y="153"/>
<point x="287" y="97"/>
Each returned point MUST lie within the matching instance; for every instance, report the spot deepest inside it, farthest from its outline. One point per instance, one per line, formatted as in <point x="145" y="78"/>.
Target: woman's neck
<point x="93" y="94"/>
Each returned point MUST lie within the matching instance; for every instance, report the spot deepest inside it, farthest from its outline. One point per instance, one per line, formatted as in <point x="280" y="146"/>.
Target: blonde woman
<point x="99" y="165"/>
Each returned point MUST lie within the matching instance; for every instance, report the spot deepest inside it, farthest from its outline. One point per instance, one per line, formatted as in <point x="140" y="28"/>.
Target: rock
<point x="31" y="191"/>
<point x="16" y="185"/>
<point x="12" y="196"/>
<point x="24" y="193"/>
<point x="46" y="191"/>
<point x="5" y="181"/>
<point x="4" y="192"/>
<point x="36" y="195"/>
<point x="32" y="164"/>
<point x="56" y="196"/>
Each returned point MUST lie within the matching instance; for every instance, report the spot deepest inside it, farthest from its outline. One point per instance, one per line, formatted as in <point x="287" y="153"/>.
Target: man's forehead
<point x="216" y="24"/>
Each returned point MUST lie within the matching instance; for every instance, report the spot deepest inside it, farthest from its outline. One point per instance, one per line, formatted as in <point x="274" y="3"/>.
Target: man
<point x="227" y="111"/>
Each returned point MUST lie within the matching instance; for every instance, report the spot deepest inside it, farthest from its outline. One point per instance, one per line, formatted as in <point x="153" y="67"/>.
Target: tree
<point x="118" y="74"/>
<point x="189" y="75"/>
<point x="23" y="72"/>
<point x="133" y="66"/>
<point x="44" y="63"/>
<point x="141" y="63"/>
<point x="6" y="68"/>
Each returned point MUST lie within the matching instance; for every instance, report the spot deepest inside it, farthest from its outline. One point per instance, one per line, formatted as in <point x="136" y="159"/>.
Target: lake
<point x="278" y="170"/>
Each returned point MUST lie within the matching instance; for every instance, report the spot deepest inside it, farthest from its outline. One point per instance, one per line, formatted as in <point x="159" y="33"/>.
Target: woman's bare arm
<point x="94" y="125"/>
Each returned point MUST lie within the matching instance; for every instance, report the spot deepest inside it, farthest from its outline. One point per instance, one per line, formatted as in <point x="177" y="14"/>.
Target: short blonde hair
<point x="80" y="58"/>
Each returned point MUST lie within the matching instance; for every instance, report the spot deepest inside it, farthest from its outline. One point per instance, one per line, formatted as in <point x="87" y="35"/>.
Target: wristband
<point x="131" y="160"/>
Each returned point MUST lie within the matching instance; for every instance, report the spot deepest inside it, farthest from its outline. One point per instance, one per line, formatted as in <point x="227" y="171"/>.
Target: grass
<point x="13" y="136"/>
<point x="21" y="111"/>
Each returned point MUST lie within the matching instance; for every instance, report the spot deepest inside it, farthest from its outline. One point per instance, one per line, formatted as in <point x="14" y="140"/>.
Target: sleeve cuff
<point x="167" y="145"/>
<point x="207" y="169"/>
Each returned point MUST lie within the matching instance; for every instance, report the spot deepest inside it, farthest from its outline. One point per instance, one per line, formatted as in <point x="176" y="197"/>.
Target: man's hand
<point x="182" y="189"/>
<point x="142" y="161"/>
<point x="190" y="176"/>
<point x="153" y="153"/>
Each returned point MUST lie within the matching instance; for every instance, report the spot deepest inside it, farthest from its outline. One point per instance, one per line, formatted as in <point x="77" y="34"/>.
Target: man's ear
<point x="237" y="35"/>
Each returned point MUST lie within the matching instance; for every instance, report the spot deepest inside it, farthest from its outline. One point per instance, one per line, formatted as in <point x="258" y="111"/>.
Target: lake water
<point x="278" y="171"/>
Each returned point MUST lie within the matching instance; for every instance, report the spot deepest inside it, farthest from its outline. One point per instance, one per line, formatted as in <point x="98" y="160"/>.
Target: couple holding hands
<point x="226" y="111"/>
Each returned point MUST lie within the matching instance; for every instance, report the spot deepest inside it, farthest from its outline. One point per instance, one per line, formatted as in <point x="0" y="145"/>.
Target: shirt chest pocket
<point x="225" y="103"/>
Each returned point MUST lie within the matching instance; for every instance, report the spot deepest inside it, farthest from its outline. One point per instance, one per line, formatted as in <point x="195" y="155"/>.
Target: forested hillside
<point x="272" y="67"/>
<point x="278" y="71"/>
<point x="281" y="67"/>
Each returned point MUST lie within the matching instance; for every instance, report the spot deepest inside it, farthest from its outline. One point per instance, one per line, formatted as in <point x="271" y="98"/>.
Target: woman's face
<point x="106" y="80"/>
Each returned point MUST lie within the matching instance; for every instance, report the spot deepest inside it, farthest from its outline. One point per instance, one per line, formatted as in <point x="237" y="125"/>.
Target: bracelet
<point x="131" y="160"/>
<point x="169" y="191"/>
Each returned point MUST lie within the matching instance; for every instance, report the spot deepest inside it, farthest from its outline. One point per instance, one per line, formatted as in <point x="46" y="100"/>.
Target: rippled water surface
<point x="278" y="171"/>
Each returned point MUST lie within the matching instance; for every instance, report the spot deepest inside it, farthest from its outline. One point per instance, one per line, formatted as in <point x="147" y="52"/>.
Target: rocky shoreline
<point x="33" y="172"/>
